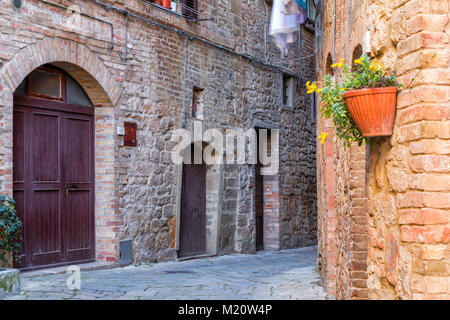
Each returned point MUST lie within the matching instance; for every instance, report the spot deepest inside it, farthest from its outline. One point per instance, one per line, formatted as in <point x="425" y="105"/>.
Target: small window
<point x="288" y="91"/>
<point x="46" y="83"/>
<point x="75" y="93"/>
<point x="52" y="83"/>
<point x="197" y="104"/>
<point x="189" y="8"/>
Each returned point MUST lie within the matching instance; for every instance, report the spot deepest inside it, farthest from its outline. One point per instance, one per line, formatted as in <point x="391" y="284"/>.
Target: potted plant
<point x="166" y="4"/>
<point x="10" y="228"/>
<point x="363" y="104"/>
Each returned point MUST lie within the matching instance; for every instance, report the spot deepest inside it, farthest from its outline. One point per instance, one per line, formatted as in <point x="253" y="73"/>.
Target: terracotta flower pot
<point x="373" y="110"/>
<point x="166" y="4"/>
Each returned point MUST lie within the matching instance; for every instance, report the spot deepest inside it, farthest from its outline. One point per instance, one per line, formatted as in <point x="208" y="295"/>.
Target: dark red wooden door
<point x="78" y="166"/>
<point x="53" y="184"/>
<point x="193" y="211"/>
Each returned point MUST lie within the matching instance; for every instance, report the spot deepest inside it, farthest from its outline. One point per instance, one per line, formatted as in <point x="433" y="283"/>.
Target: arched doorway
<point x="54" y="169"/>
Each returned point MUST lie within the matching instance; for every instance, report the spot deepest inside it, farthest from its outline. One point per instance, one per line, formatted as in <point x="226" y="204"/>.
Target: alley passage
<point x="287" y="274"/>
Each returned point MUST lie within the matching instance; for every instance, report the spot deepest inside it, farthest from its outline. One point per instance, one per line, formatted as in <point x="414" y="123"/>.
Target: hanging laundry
<point x="290" y="7"/>
<point x="301" y="3"/>
<point x="302" y="15"/>
<point x="297" y="7"/>
<point x="294" y="7"/>
<point x="284" y="24"/>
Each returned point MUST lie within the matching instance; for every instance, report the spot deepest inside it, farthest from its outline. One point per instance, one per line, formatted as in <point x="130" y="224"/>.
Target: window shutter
<point x="190" y="8"/>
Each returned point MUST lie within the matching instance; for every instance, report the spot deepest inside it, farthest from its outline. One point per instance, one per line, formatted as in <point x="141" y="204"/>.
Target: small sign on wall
<point x="120" y="131"/>
<point x="129" y="139"/>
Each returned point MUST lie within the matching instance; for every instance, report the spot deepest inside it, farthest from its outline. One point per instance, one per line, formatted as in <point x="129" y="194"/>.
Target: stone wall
<point x="390" y="238"/>
<point x="298" y="216"/>
<point x="144" y="72"/>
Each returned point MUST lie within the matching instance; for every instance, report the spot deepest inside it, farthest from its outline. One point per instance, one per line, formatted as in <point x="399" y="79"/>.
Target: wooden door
<point x="259" y="195"/>
<point x="38" y="183"/>
<point x="78" y="166"/>
<point x="259" y="207"/>
<point x="53" y="177"/>
<point x="193" y="211"/>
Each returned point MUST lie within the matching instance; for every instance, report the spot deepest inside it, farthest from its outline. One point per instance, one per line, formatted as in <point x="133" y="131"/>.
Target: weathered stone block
<point x="432" y="252"/>
<point x="9" y="282"/>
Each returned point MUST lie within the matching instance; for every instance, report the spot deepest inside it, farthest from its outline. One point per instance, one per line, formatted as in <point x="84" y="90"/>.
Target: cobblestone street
<point x="287" y="274"/>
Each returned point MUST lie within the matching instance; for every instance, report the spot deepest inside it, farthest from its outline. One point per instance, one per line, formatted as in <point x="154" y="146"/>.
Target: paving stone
<point x="287" y="274"/>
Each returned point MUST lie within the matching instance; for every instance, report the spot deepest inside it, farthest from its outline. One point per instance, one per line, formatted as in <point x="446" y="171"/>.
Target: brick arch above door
<point x="76" y="59"/>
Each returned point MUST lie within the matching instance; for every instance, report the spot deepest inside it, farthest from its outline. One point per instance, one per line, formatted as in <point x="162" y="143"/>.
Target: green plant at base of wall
<point x="10" y="228"/>
<point x="368" y="74"/>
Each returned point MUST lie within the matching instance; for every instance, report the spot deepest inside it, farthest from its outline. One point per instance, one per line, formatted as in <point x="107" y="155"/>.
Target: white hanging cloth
<point x="284" y="24"/>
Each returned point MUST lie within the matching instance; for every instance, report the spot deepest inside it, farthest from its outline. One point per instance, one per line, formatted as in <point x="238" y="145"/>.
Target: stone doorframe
<point x="214" y="187"/>
<point x="89" y="71"/>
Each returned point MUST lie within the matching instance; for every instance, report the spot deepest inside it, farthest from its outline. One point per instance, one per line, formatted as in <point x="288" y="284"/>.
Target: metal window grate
<point x="188" y="7"/>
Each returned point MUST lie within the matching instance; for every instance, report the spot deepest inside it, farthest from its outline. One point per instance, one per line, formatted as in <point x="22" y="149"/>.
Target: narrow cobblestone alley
<point x="286" y="274"/>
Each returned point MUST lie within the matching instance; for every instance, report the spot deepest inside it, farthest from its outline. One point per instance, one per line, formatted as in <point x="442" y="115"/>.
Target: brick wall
<point x="135" y="72"/>
<point x="391" y="199"/>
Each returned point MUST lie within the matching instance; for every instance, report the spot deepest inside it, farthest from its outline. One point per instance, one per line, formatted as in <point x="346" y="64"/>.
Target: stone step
<point x="9" y="282"/>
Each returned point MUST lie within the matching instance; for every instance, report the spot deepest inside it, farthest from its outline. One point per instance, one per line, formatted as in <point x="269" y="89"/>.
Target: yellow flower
<point x="319" y="90"/>
<point x="339" y="64"/>
<point x="376" y="65"/>
<point x="311" y="87"/>
<point x="343" y="89"/>
<point x="323" y="136"/>
<point x="358" y="61"/>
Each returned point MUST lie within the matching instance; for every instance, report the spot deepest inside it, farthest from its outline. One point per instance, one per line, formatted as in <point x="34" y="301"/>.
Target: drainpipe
<point x="183" y="119"/>
<point x="266" y="25"/>
<point x="334" y="33"/>
<point x="300" y="48"/>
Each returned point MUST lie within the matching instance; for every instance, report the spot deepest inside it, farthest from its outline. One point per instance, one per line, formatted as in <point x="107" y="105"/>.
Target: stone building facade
<point x="142" y="64"/>
<point x="383" y="208"/>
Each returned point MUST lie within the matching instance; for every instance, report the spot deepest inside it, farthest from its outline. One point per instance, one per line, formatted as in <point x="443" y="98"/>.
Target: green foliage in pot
<point x="367" y="74"/>
<point x="10" y="228"/>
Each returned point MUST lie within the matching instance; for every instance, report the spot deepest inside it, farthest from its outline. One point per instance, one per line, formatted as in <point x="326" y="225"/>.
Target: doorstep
<point x="59" y="270"/>
<point x="9" y="282"/>
<point x="200" y="256"/>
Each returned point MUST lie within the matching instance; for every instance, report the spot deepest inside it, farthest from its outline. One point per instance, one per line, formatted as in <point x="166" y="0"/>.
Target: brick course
<point x="392" y="196"/>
